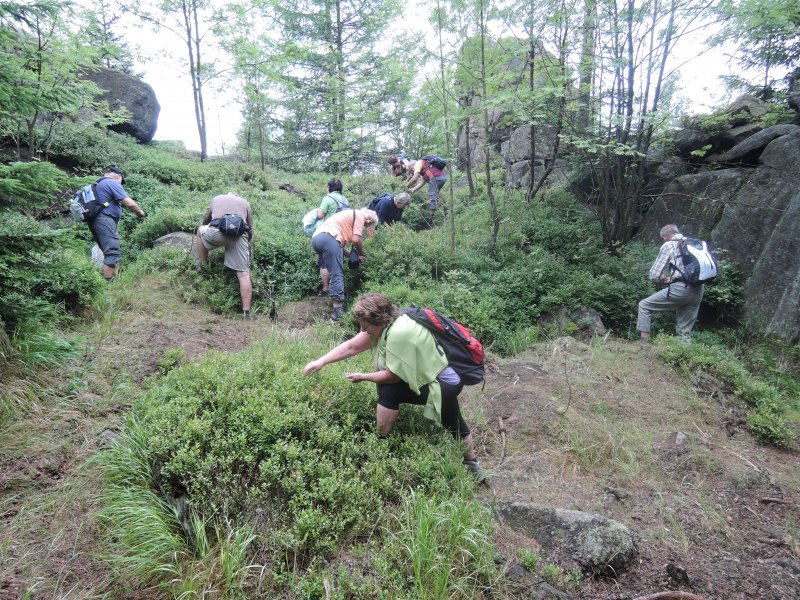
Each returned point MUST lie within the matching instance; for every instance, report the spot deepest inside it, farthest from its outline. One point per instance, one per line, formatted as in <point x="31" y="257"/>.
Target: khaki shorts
<point x="237" y="250"/>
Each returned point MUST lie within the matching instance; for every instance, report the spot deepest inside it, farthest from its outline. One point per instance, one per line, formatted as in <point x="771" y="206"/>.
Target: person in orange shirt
<point x="329" y="241"/>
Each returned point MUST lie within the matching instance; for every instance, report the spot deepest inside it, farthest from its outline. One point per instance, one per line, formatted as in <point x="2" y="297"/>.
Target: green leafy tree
<point x="101" y="31"/>
<point x="193" y="22"/>
<point x="767" y="39"/>
<point x="40" y="71"/>
<point x="330" y="79"/>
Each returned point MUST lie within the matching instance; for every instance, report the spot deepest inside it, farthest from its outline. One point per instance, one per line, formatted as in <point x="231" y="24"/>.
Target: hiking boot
<point x="338" y="313"/>
<point x="474" y="467"/>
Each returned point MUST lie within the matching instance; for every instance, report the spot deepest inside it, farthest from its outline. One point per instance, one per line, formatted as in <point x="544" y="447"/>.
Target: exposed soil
<point x="715" y="516"/>
<point x="587" y="427"/>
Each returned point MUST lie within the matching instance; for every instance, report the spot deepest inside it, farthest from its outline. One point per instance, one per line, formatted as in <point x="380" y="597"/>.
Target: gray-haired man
<point x="684" y="298"/>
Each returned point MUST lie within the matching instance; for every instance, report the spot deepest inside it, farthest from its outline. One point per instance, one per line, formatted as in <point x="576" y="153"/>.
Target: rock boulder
<point x="126" y="91"/>
<point x="751" y="215"/>
<point x="593" y="542"/>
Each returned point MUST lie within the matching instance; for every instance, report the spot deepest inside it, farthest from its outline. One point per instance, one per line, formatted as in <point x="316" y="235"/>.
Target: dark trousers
<point x="392" y="395"/>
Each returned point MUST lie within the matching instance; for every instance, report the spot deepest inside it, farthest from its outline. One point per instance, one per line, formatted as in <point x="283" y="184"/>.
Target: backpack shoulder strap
<point x="94" y="192"/>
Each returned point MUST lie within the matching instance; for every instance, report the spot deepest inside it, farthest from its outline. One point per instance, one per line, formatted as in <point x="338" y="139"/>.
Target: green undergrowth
<point x="772" y="401"/>
<point x="243" y="454"/>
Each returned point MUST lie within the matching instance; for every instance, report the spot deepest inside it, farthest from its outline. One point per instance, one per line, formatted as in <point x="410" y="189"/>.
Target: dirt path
<point x="588" y="427"/>
<point x="48" y="537"/>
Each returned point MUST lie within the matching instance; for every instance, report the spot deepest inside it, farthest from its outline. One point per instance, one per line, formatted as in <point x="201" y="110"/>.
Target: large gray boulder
<point x="745" y="109"/>
<point x="750" y="148"/>
<point x="517" y="150"/>
<point x="476" y="135"/>
<point x="178" y="239"/>
<point x="125" y="91"/>
<point x="687" y="141"/>
<point x="593" y="542"/>
<point x="751" y="216"/>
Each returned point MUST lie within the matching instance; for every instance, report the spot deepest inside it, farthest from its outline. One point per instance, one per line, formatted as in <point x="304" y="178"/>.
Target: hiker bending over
<point x="410" y="369"/>
<point x="236" y="242"/>
<point x="684" y="298"/>
<point x="332" y="202"/>
<point x="104" y="226"/>
<point x="390" y="208"/>
<point x="425" y="172"/>
<point x="401" y="165"/>
<point x="329" y="241"/>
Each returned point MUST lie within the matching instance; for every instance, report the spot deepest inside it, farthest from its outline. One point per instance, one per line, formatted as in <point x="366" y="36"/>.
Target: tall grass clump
<point x="155" y="541"/>
<point x="444" y="547"/>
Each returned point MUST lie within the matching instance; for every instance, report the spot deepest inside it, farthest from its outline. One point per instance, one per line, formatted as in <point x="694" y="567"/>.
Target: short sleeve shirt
<point x="231" y="204"/>
<point x="111" y="191"/>
<point x="426" y="170"/>
<point x="342" y="225"/>
<point x="330" y="205"/>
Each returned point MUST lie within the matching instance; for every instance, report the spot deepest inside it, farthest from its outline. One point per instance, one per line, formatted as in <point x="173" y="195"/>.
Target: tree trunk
<point x="451" y="198"/>
<point x="192" y="29"/>
<point x="487" y="145"/>
<point x="586" y="67"/>
<point x="532" y="158"/>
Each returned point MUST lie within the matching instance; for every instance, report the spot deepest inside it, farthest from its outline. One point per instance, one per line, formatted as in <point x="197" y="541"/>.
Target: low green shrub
<point x="44" y="275"/>
<point x="247" y="438"/>
<point x="773" y="414"/>
<point x="723" y="298"/>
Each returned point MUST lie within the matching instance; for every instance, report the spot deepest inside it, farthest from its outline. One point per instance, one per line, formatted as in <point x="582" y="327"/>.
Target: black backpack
<point x="231" y="225"/>
<point x="85" y="206"/>
<point x="373" y="204"/>
<point x="463" y="350"/>
<point x="435" y="161"/>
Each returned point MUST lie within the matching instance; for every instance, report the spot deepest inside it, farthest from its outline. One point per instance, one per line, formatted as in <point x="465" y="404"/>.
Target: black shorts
<point x="392" y="395"/>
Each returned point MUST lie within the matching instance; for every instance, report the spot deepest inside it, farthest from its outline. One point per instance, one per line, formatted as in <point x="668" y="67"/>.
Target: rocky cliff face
<point x="737" y="186"/>
<point x="125" y="91"/>
<point x="746" y="201"/>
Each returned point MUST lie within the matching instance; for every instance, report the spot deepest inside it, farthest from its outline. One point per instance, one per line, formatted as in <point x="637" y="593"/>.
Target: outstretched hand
<point x="312" y="367"/>
<point x="355" y="377"/>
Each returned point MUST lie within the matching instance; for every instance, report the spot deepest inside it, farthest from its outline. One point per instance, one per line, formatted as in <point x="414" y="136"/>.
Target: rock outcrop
<point x="506" y="138"/>
<point x="126" y="91"/>
<point x="735" y="182"/>
<point x="592" y="542"/>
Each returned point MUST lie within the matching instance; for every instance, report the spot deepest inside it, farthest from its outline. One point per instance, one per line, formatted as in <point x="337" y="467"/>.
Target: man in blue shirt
<point x="109" y="191"/>
<point x="390" y="208"/>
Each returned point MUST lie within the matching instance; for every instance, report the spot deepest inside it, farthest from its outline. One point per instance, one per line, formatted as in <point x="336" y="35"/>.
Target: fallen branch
<point x="502" y="440"/>
<point x="327" y="588"/>
<point x="768" y="500"/>
<point x="782" y="541"/>
<point x="670" y="596"/>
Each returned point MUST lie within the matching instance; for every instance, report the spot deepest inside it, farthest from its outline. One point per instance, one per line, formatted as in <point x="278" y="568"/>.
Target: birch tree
<point x="193" y="22"/>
